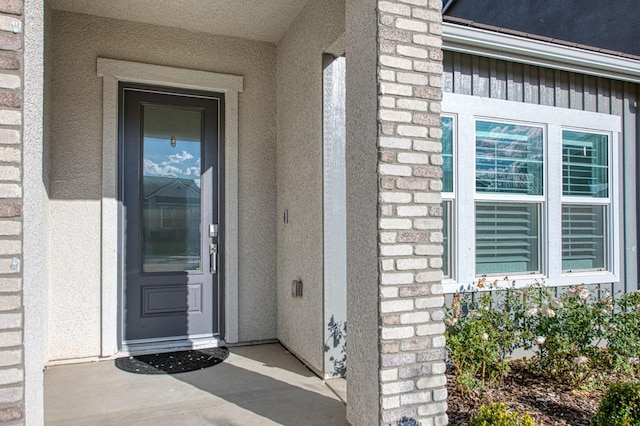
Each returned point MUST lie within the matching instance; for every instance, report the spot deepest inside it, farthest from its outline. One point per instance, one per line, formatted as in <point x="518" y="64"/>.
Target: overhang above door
<point x="252" y="19"/>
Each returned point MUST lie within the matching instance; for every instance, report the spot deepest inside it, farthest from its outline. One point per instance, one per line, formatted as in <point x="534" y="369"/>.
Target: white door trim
<point x="112" y="71"/>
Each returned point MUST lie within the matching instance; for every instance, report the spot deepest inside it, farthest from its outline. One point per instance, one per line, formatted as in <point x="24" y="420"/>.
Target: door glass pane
<point x="447" y="154"/>
<point x="585" y="169"/>
<point x="507" y="238"/>
<point x="171" y="190"/>
<point x="509" y="158"/>
<point x="583" y="237"/>
<point x="446" y="238"/>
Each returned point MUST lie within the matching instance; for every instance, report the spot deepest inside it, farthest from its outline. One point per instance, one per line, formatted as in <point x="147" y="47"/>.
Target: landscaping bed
<point x="582" y="342"/>
<point x="524" y="391"/>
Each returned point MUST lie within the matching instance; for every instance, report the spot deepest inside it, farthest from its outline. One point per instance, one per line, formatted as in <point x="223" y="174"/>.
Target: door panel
<point x="170" y="182"/>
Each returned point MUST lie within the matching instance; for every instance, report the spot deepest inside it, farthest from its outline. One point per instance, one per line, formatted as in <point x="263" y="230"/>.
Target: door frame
<point x="113" y="71"/>
<point x="212" y="152"/>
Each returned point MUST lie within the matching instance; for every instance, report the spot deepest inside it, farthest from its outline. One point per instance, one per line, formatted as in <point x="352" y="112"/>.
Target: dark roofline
<point x="473" y="24"/>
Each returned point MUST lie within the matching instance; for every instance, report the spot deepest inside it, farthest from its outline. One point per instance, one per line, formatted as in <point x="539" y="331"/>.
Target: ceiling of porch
<point x="252" y="19"/>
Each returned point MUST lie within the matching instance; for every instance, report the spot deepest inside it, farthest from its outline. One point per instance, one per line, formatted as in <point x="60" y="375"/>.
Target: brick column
<point x="11" y="311"/>
<point x="412" y="368"/>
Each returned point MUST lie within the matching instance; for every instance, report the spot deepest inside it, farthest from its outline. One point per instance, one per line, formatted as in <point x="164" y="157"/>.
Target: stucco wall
<point x="363" y="318"/>
<point x="299" y="175"/>
<point x="76" y="150"/>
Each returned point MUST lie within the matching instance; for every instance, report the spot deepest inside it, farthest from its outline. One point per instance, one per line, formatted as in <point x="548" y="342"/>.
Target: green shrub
<point x="572" y="327"/>
<point x="620" y="406"/>
<point x="498" y="414"/>
<point x="623" y="333"/>
<point x="482" y="334"/>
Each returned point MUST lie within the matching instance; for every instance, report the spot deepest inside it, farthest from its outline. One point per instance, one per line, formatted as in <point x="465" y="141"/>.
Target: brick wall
<point x="412" y="375"/>
<point x="11" y="312"/>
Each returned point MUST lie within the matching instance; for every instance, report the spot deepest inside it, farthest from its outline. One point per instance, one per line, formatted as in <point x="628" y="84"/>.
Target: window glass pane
<point x="509" y="158"/>
<point x="583" y="237"/>
<point x="447" y="154"/>
<point x="585" y="168"/>
<point x="507" y="238"/>
<point x="171" y="205"/>
<point x="446" y="228"/>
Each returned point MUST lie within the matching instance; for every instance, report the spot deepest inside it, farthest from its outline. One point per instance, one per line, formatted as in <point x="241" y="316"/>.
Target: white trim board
<point x="475" y="41"/>
<point x="113" y="71"/>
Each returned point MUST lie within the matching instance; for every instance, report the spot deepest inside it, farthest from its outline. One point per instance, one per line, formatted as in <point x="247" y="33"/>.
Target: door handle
<point x="213" y="253"/>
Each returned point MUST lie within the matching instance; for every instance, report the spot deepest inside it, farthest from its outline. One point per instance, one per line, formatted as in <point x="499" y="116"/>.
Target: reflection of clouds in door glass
<point x="181" y="161"/>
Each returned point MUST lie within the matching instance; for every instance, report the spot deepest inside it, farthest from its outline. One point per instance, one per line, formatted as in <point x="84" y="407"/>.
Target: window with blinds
<point x="585" y="192"/>
<point x="446" y="242"/>
<point x="448" y="195"/>
<point x="585" y="171"/>
<point x="447" y="154"/>
<point x="530" y="192"/>
<point x="507" y="238"/>
<point x="509" y="158"/>
<point x="583" y="237"/>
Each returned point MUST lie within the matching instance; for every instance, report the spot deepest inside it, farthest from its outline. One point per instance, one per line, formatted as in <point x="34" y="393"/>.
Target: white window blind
<point x="583" y="237"/>
<point x="507" y="240"/>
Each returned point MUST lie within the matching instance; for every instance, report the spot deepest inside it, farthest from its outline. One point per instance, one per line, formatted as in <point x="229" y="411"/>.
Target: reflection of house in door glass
<point x="171" y="206"/>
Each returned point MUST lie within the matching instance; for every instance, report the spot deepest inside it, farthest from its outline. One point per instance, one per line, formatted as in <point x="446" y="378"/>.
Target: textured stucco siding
<point x="299" y="165"/>
<point x="75" y="189"/>
<point x="363" y="357"/>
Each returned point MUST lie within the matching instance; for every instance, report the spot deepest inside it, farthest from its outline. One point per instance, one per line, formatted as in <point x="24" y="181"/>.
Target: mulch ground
<point x="548" y="403"/>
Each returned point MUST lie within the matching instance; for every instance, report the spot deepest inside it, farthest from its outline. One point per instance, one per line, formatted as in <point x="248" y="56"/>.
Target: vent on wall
<point x="296" y="288"/>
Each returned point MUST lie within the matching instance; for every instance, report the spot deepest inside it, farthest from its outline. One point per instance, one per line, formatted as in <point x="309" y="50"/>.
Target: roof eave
<point x="497" y="43"/>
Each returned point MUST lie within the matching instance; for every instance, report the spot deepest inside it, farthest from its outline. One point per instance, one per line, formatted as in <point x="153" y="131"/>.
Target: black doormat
<point x="173" y="362"/>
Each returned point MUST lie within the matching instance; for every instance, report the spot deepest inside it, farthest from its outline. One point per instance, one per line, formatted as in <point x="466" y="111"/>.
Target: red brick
<point x="387" y="183"/>
<point x="387" y="156"/>
<point x="412" y="183"/>
<point x="8" y="62"/>
<point x="14" y="7"/>
<point x="11" y="413"/>
<point x="10" y="210"/>
<point x="390" y="348"/>
<point x="426" y="171"/>
<point x="427" y="119"/>
<point x="10" y="41"/>
<point x="391" y="320"/>
<point x="388" y="128"/>
<point x="435" y="54"/>
<point x="412" y="237"/>
<point x="12" y="100"/>
<point x="428" y="93"/>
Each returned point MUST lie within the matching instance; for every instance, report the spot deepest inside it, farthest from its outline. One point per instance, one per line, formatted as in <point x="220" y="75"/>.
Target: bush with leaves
<point x="482" y="334"/>
<point x="498" y="414"/>
<point x="567" y="332"/>
<point x="623" y="335"/>
<point x="620" y="406"/>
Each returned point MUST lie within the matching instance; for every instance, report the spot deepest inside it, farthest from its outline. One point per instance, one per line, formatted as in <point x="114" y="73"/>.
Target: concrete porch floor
<point x="255" y="385"/>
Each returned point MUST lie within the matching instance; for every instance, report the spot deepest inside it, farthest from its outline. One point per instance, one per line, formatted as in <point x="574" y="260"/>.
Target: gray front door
<point x="171" y="156"/>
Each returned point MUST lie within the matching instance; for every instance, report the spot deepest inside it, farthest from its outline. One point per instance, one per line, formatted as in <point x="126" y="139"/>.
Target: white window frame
<point x="450" y="197"/>
<point x="466" y="110"/>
